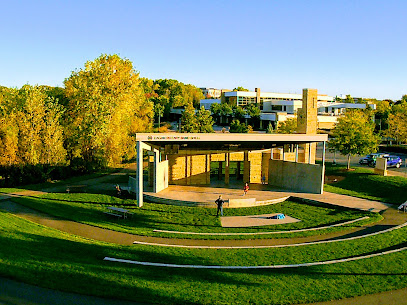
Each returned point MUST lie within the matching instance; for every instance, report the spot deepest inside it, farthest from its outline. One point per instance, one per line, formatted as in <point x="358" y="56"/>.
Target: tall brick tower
<point x="307" y="121"/>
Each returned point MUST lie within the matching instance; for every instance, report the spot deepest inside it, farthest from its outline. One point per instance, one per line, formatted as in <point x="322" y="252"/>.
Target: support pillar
<point x="227" y="166"/>
<point x="296" y="153"/>
<point x="155" y="168"/>
<point x="139" y="174"/>
<point x="208" y="169"/>
<point x="220" y="170"/>
<point x="238" y="170"/>
<point x="246" y="167"/>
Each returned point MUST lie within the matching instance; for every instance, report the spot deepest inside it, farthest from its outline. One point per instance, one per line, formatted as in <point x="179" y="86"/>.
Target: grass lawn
<point x="88" y="208"/>
<point x="46" y="257"/>
<point x="50" y="258"/>
<point x="361" y="182"/>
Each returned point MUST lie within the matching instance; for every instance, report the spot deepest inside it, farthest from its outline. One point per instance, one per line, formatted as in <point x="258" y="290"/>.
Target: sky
<point x="338" y="47"/>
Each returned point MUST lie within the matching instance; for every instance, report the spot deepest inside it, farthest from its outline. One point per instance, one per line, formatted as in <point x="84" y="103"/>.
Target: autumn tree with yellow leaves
<point x="106" y="108"/>
<point x="30" y="128"/>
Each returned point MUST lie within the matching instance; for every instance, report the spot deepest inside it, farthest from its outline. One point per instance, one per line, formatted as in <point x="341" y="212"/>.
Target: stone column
<point x="220" y="170"/>
<point x="266" y="156"/>
<point x="155" y="168"/>
<point x="227" y="165"/>
<point x="139" y="174"/>
<point x="307" y="121"/>
<point x="246" y="167"/>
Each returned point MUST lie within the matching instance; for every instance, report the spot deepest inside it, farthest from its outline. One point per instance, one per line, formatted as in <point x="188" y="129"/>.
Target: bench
<point x="113" y="214"/>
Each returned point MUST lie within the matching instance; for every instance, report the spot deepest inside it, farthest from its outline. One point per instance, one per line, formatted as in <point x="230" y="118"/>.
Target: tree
<point x="204" y="121"/>
<point x="354" y="135"/>
<point x="189" y="121"/>
<point x="397" y="122"/>
<point x="8" y="128"/>
<point x="397" y="127"/>
<point x="239" y="113"/>
<point x="237" y="127"/>
<point x="240" y="88"/>
<point x="159" y="111"/>
<point x="30" y="131"/>
<point x="216" y="110"/>
<point x="106" y="107"/>
<point x="254" y="112"/>
<point x="382" y="112"/>
<point x="349" y="99"/>
<point x="221" y="111"/>
<point x="287" y="126"/>
<point x="270" y="128"/>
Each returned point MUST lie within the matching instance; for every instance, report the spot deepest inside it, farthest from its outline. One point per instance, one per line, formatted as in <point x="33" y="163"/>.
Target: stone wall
<point x="296" y="176"/>
<point x="189" y="169"/>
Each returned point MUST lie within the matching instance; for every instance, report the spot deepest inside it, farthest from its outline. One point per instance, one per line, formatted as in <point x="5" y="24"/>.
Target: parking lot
<point x="354" y="161"/>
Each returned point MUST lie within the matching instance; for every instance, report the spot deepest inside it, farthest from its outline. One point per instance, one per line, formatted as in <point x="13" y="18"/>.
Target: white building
<point x="212" y="92"/>
<point x="242" y="98"/>
<point x="278" y="107"/>
<point x="328" y="111"/>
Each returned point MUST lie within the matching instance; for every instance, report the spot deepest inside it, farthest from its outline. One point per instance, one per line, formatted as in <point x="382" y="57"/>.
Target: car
<point x="392" y="161"/>
<point x="371" y="158"/>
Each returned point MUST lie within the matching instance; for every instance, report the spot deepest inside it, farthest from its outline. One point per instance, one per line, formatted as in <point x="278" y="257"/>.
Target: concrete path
<point x="392" y="218"/>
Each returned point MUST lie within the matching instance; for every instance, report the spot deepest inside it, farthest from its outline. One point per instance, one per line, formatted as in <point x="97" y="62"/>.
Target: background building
<point x="278" y="107"/>
<point x="212" y="92"/>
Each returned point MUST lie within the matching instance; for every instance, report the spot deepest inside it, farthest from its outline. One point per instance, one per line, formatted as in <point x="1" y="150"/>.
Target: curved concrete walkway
<point x="391" y="218"/>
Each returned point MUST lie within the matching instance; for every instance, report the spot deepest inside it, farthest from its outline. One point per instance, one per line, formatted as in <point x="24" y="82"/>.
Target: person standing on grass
<point x="219" y="202"/>
<point x="245" y="188"/>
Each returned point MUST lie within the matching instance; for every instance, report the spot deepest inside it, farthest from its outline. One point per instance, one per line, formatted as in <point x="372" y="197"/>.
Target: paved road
<point x="342" y="160"/>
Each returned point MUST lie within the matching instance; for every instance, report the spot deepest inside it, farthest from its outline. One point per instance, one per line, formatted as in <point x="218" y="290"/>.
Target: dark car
<point x="371" y="158"/>
<point x="392" y="161"/>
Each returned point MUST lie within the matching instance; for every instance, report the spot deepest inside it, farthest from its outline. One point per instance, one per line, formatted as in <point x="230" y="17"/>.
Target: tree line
<point x="53" y="132"/>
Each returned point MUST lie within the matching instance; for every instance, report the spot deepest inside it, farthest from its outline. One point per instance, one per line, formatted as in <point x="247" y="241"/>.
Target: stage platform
<point x="205" y="196"/>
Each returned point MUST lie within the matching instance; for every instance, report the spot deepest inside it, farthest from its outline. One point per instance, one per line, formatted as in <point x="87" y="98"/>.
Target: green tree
<point x="204" y="121"/>
<point x="288" y="126"/>
<point x="270" y="128"/>
<point x="397" y="127"/>
<point x="221" y="112"/>
<point x="397" y="122"/>
<point x="354" y="135"/>
<point x="349" y="99"/>
<point x="159" y="111"/>
<point x="237" y="127"/>
<point x="106" y="107"/>
<point x="189" y="121"/>
<point x="254" y="112"/>
<point x="216" y="110"/>
<point x="239" y="113"/>
<point x="382" y="112"/>
<point x="240" y="88"/>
